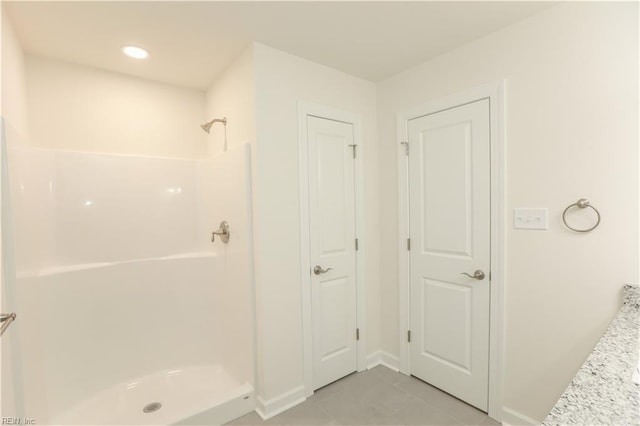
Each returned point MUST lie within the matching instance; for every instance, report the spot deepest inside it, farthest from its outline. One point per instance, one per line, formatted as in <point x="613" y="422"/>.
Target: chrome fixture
<point x="478" y="274"/>
<point x="152" y="407"/>
<point x="207" y="126"/>
<point x="6" y="320"/>
<point x="582" y="203"/>
<point x="406" y="147"/>
<point x="318" y="270"/>
<point x="223" y="231"/>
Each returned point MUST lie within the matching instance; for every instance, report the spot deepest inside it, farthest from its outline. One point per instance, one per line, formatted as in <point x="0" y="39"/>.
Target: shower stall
<point x="127" y="311"/>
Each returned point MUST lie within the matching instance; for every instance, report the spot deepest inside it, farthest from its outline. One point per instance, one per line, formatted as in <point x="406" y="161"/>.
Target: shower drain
<point x="151" y="407"/>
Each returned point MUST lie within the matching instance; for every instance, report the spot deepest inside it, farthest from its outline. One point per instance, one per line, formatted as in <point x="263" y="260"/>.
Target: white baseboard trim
<point x="275" y="406"/>
<point x="383" y="358"/>
<point x="281" y="403"/>
<point x="513" y="418"/>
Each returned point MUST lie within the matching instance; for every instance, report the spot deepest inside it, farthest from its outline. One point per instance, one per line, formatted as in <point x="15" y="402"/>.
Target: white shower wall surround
<point x="122" y="297"/>
<point x="101" y="208"/>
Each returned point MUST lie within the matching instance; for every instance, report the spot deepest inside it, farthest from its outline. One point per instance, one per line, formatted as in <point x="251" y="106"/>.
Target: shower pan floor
<point x="191" y="395"/>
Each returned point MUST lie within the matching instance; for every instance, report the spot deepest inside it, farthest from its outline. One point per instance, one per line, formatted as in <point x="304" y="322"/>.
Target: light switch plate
<point x="528" y="218"/>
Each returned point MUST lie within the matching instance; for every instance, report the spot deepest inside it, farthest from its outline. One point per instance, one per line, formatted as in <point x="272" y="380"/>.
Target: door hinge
<point x="406" y="147"/>
<point x="409" y="336"/>
<point x="408" y="244"/>
<point x="356" y="244"/>
<point x="354" y="149"/>
<point x="357" y="334"/>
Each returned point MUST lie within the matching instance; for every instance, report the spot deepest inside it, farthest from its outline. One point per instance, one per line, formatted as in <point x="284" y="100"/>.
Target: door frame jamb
<point x="311" y="109"/>
<point x="495" y="92"/>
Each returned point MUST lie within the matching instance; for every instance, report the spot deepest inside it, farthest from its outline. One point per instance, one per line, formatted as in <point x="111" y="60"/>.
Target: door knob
<point x="478" y="274"/>
<point x="318" y="270"/>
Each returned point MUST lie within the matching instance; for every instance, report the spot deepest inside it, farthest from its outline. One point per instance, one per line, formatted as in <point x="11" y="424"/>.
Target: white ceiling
<point x="190" y="43"/>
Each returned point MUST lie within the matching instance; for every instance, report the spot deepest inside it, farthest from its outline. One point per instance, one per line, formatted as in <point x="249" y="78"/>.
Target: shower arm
<point x="207" y="128"/>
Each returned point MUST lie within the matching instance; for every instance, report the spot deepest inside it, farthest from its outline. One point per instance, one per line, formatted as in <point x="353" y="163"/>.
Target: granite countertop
<point x="602" y="392"/>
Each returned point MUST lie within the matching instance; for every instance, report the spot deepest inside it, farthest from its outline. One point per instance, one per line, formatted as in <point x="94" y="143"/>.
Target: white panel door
<point x="449" y="175"/>
<point x="332" y="240"/>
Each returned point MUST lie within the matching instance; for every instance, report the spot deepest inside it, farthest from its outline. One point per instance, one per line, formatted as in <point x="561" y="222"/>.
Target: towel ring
<point x="583" y="203"/>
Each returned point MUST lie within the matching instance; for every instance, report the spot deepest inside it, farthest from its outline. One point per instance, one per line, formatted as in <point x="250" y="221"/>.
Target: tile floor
<point x="379" y="396"/>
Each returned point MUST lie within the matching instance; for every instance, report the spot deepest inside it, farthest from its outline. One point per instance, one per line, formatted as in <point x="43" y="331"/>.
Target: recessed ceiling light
<point x="135" y="52"/>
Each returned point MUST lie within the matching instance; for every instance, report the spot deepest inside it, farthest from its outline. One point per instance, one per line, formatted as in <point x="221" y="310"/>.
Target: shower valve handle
<point x="223" y="231"/>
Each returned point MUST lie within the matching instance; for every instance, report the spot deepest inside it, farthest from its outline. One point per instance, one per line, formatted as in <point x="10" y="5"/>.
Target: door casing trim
<point x="495" y="92"/>
<point x="311" y="109"/>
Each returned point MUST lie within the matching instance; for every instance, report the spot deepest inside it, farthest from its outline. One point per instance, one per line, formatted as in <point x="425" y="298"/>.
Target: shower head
<point x="207" y="126"/>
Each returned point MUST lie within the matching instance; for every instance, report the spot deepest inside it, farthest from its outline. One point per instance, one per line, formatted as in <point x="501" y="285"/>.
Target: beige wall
<point x="14" y="102"/>
<point x="282" y="80"/>
<point x="232" y="95"/>
<point x="571" y="131"/>
<point x="73" y="107"/>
